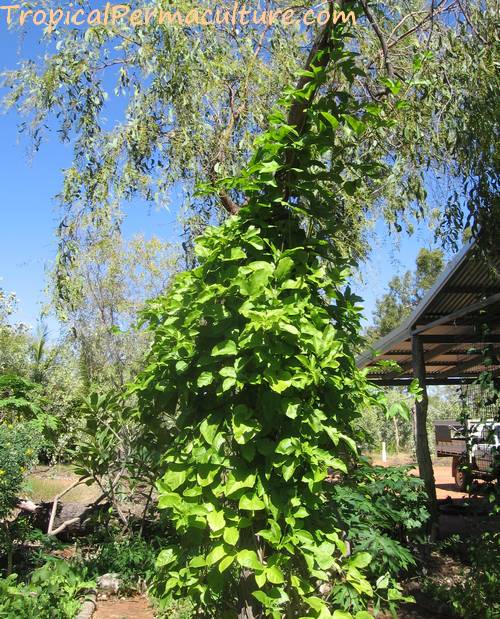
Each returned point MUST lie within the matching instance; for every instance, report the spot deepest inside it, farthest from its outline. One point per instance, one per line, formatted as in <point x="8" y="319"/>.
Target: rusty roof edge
<point x="403" y="332"/>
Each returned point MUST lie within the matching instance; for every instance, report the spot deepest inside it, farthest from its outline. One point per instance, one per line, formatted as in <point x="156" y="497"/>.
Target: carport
<point x="451" y="338"/>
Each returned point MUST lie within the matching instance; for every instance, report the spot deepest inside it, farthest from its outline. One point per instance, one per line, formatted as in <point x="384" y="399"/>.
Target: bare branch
<point x="53" y="512"/>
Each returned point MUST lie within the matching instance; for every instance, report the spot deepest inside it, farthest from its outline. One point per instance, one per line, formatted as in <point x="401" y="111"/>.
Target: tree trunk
<point x="248" y="604"/>
<point x="396" y="434"/>
<point x="424" y="460"/>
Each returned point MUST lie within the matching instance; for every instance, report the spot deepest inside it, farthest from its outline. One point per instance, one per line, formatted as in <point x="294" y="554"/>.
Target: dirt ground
<point x="134" y="608"/>
<point x="445" y="484"/>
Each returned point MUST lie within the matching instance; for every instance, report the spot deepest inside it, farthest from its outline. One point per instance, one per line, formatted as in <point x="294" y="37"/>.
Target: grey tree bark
<point x="424" y="460"/>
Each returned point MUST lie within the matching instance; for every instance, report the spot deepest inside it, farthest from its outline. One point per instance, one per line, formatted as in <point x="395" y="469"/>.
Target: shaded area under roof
<point x="458" y="322"/>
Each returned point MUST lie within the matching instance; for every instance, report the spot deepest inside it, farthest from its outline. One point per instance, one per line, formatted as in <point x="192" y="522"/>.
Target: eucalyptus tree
<point x="110" y="283"/>
<point x="14" y="337"/>
<point x="149" y="107"/>
<point x="405" y="292"/>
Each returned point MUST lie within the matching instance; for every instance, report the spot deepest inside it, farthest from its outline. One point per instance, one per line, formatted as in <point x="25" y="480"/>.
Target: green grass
<point x="47" y="482"/>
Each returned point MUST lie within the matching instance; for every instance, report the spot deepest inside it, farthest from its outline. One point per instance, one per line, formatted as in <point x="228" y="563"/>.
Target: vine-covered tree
<point x="253" y="361"/>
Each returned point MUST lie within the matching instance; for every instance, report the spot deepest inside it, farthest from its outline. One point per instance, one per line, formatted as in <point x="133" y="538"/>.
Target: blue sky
<point x="29" y="213"/>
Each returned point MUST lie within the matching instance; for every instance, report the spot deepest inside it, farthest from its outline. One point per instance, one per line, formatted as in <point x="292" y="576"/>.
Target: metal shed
<point x="452" y="336"/>
<point x="457" y="324"/>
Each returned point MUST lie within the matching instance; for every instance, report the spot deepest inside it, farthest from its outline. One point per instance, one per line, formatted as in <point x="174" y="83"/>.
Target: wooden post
<point x="424" y="460"/>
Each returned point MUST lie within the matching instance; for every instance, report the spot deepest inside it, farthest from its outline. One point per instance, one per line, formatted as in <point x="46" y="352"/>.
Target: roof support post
<point x="425" y="469"/>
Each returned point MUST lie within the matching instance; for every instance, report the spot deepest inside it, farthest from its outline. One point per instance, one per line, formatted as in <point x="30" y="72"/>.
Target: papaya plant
<point x="253" y="356"/>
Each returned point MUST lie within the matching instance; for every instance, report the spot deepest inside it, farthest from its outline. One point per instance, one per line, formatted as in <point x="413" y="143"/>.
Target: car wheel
<point x="463" y="477"/>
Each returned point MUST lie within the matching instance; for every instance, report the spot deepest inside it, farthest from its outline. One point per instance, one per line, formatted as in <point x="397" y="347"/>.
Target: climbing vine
<point x="253" y="358"/>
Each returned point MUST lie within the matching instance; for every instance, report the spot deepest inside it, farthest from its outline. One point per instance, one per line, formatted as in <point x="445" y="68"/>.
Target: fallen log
<point x="65" y="520"/>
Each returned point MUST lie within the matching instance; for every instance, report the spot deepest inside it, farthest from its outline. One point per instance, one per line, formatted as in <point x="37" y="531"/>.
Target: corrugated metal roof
<point x="458" y="321"/>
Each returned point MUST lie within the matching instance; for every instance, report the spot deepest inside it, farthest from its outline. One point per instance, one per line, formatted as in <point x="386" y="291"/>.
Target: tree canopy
<point x="149" y="108"/>
<point x="405" y="292"/>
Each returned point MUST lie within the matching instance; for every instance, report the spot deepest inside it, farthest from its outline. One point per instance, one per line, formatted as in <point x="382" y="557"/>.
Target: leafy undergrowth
<point x="466" y="576"/>
<point x="54" y="590"/>
<point x="382" y="509"/>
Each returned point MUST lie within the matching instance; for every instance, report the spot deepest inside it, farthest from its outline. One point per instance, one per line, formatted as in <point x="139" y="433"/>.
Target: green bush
<point x="53" y="592"/>
<point x="384" y="511"/>
<point x="133" y="558"/>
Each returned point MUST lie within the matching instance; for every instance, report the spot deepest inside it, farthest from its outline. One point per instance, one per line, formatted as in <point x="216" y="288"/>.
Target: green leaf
<point x="331" y="119"/>
<point x="216" y="520"/>
<point x="226" y="562"/>
<point x="237" y="253"/>
<point x="169" y="499"/>
<point x="231" y="535"/>
<point x="166" y="556"/>
<point x="360" y="560"/>
<point x="244" y="427"/>
<point x="233" y="485"/>
<point x="337" y="464"/>
<point x="261" y="579"/>
<point x="206" y="474"/>
<point x="208" y="429"/>
<point x="216" y="555"/>
<point x="356" y="125"/>
<point x="249" y="559"/>
<point x="382" y="581"/>
<point x="253" y="285"/>
<point x="285" y="265"/>
<point x="173" y="479"/>
<point x="251" y="503"/>
<point x="318" y="605"/>
<point x="275" y="575"/>
<point x="205" y="379"/>
<point x="226" y="348"/>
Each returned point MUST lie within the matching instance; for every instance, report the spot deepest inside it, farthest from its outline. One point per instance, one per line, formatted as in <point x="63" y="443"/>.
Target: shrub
<point x="383" y="509"/>
<point x="133" y="558"/>
<point x="476" y="593"/>
<point x="19" y="447"/>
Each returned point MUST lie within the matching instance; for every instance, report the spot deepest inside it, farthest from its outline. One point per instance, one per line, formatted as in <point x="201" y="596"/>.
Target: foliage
<point x="387" y="500"/>
<point x="19" y="447"/>
<point x="38" y="380"/>
<point x="23" y="400"/>
<point x="476" y="594"/>
<point x="253" y="358"/>
<point x="14" y="339"/>
<point x="53" y="591"/>
<point x="133" y="558"/>
<point x="185" y="103"/>
<point x="19" y="398"/>
<point x="384" y="511"/>
<point x="111" y="281"/>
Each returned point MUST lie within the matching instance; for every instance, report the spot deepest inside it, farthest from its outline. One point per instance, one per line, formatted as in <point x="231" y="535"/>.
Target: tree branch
<point x="471" y="25"/>
<point x="380" y="36"/>
<point x="53" y="512"/>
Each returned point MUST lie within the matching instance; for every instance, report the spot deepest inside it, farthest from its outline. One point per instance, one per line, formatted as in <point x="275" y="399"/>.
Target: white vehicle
<point x="474" y="449"/>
